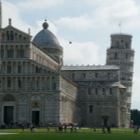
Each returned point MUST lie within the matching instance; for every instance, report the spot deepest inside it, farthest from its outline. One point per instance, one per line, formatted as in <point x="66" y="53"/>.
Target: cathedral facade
<point x="35" y="86"/>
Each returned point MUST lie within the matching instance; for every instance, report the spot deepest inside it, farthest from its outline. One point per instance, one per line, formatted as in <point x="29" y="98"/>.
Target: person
<point x="32" y="128"/>
<point x="48" y="127"/>
<point x="71" y="127"/>
<point x="103" y="129"/>
<point x="135" y="130"/>
<point x="94" y="129"/>
<point x="22" y="126"/>
<point x="65" y="127"/>
<point x="60" y="128"/>
<point x="108" y="129"/>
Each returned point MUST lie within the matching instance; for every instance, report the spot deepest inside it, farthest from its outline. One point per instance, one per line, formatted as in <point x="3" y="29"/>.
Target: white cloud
<point x="39" y="5"/>
<point x="111" y="12"/>
<point x="78" y="53"/>
<point x="12" y="11"/>
<point x="121" y="10"/>
<point x="136" y="94"/>
<point x="136" y="87"/>
<point x="104" y="14"/>
<point x="76" y="23"/>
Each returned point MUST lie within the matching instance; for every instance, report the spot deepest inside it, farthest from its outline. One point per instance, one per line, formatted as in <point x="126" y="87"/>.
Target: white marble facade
<point x="35" y="86"/>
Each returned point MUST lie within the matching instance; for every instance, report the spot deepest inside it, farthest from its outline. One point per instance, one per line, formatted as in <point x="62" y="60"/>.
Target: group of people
<point x="104" y="129"/>
<point x="63" y="127"/>
<point x="107" y="128"/>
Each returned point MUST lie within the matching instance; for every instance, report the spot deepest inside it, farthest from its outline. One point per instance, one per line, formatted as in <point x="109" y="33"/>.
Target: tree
<point x="135" y="116"/>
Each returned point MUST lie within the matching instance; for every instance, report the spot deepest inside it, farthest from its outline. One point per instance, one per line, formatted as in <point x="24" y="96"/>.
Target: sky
<point x="88" y="24"/>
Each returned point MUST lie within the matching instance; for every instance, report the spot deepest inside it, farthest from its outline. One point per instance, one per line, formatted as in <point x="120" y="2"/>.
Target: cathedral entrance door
<point x="35" y="117"/>
<point x="8" y="114"/>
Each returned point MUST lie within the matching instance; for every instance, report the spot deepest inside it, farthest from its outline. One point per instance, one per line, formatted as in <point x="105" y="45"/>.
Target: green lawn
<point x="82" y="134"/>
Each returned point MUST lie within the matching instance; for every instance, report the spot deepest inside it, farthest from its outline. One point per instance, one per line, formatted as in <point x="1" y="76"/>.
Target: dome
<point x="46" y="38"/>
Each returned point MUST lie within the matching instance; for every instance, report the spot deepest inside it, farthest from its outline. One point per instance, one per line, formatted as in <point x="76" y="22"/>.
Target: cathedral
<point x="35" y="86"/>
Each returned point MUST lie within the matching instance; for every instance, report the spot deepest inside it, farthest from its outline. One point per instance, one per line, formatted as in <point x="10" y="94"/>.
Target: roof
<point x="93" y="67"/>
<point x="121" y="35"/>
<point x="45" y="38"/>
<point x="12" y="27"/>
<point x="118" y="84"/>
<point x="100" y="84"/>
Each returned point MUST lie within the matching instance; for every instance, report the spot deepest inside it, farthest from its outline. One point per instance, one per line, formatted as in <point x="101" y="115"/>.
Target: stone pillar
<point x="16" y="83"/>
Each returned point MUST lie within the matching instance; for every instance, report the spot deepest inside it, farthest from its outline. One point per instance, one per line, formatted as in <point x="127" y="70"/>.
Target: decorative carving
<point x="35" y="104"/>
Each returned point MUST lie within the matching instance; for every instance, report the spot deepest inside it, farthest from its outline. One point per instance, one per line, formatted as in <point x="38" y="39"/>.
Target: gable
<point x="11" y="34"/>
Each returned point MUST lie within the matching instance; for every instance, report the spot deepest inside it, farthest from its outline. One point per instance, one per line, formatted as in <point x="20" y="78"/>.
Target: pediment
<point x="12" y="34"/>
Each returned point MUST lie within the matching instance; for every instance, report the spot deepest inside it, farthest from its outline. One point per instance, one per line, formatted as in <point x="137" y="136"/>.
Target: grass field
<point x="82" y="134"/>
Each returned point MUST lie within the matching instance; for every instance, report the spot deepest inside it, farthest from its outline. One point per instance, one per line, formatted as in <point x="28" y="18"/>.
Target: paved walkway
<point x="4" y="133"/>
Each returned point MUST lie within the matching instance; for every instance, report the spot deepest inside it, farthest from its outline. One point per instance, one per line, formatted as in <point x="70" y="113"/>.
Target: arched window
<point x="19" y="83"/>
<point x="89" y="91"/>
<point x="103" y="91"/>
<point x="117" y="44"/>
<point x="96" y="91"/>
<point x="84" y="75"/>
<point x="22" y="53"/>
<point x="12" y="35"/>
<point x="9" y="82"/>
<point x="73" y="75"/>
<point x="2" y="53"/>
<point x="7" y="35"/>
<point x="10" y="53"/>
<point x="116" y="55"/>
<point x="19" y="68"/>
<point x="110" y="91"/>
<point x="96" y="75"/>
<point x="54" y="86"/>
<point x="108" y="75"/>
<point x="126" y="56"/>
<point x="90" y="108"/>
<point x="9" y="69"/>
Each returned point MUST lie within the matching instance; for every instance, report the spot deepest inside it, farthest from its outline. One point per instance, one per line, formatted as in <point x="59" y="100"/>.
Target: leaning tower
<point x="120" y="53"/>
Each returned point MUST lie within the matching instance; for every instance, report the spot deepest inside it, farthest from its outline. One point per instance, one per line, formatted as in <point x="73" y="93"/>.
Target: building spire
<point x="120" y="27"/>
<point x="10" y="21"/>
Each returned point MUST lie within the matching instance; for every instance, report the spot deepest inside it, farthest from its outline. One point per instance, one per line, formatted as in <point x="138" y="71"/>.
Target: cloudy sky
<point x="88" y="24"/>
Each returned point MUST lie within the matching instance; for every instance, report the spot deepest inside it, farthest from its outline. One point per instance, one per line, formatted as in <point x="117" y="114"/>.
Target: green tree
<point x="135" y="116"/>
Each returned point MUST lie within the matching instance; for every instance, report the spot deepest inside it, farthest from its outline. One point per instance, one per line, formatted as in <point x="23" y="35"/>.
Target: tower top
<point x="121" y="41"/>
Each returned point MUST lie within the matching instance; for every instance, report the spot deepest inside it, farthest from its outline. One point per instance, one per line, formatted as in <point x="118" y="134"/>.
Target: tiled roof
<point x="99" y="84"/>
<point x="89" y="67"/>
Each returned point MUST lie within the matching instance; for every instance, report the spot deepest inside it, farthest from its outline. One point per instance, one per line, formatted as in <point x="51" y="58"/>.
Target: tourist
<point x="108" y="129"/>
<point x="103" y="129"/>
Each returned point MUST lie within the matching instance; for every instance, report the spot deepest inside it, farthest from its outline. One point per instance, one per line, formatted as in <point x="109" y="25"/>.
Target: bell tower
<point x="120" y="53"/>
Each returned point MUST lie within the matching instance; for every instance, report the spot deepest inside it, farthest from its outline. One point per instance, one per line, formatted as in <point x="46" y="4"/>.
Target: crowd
<point x="60" y="127"/>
